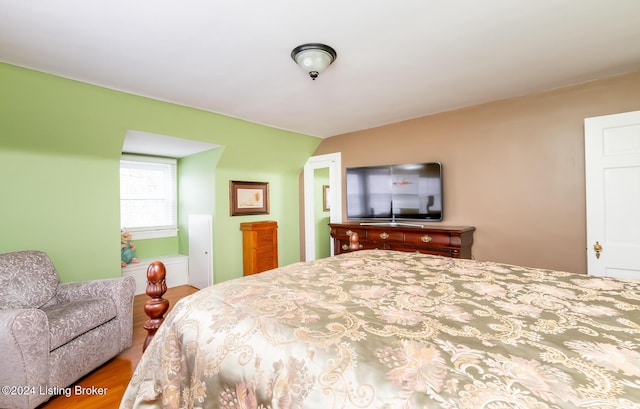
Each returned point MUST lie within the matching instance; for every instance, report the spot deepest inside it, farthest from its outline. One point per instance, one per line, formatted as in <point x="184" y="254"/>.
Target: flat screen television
<point x="395" y="192"/>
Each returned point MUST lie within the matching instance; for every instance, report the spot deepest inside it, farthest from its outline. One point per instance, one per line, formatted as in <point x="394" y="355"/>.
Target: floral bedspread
<point x="383" y="329"/>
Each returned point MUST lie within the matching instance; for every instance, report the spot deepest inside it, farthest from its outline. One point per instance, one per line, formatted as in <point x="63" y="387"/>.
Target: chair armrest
<point x="121" y="290"/>
<point x="81" y="290"/>
<point x="24" y="342"/>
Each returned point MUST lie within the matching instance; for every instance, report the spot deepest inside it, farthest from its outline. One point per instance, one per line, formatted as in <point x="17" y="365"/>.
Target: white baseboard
<point x="177" y="266"/>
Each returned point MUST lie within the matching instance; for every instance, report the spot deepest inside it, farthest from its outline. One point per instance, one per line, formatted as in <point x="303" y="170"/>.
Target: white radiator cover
<point x="177" y="266"/>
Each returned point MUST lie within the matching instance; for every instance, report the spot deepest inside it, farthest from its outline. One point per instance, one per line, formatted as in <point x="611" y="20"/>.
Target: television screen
<point x="395" y="192"/>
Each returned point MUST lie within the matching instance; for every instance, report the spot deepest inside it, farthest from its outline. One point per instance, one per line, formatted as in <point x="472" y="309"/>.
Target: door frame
<point x="333" y="161"/>
<point x="612" y="263"/>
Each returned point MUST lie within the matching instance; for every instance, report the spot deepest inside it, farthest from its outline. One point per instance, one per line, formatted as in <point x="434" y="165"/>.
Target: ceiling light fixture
<point x="313" y="58"/>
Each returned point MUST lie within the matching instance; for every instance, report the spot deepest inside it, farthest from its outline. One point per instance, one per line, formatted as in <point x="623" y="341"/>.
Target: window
<point x="148" y="199"/>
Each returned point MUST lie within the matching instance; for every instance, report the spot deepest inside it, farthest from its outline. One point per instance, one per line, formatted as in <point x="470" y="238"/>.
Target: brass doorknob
<point x="598" y="249"/>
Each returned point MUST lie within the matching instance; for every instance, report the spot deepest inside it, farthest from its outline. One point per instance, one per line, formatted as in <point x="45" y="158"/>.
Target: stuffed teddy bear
<point x="127" y="253"/>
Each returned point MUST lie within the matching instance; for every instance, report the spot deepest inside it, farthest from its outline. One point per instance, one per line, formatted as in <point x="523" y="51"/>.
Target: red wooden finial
<point x="156" y="307"/>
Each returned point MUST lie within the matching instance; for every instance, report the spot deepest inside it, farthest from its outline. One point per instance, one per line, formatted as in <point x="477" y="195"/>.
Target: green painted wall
<point x="151" y="248"/>
<point x="196" y="190"/>
<point x="60" y="144"/>
<point x="56" y="203"/>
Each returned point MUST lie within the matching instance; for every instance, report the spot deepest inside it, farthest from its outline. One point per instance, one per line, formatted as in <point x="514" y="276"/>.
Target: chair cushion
<point x="27" y="279"/>
<point x="68" y="321"/>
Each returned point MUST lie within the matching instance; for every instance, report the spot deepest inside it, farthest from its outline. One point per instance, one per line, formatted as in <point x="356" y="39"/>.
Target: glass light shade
<point x="313" y="58"/>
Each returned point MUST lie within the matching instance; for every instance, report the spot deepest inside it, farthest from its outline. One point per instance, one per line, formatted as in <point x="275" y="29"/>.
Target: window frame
<point x="157" y="231"/>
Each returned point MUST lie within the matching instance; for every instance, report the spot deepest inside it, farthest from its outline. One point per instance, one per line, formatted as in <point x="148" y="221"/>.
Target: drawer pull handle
<point x="348" y="232"/>
<point x="384" y="235"/>
<point x="345" y="247"/>
<point x="426" y="238"/>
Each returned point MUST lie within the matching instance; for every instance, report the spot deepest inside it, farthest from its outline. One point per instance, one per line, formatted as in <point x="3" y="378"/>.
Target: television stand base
<point x="392" y="224"/>
<point x="439" y="240"/>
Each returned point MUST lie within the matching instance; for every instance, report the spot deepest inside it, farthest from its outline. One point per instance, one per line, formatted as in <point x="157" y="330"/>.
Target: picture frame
<point x="247" y="198"/>
<point x="326" y="203"/>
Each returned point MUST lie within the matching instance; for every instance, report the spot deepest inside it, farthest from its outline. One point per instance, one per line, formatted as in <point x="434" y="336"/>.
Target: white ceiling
<point x="396" y="59"/>
<point x="145" y="143"/>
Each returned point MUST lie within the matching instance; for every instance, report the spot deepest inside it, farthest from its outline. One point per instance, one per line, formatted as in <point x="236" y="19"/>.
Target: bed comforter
<point x="383" y="329"/>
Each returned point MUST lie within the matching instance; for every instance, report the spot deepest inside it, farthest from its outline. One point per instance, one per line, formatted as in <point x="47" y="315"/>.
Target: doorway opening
<point x="333" y="162"/>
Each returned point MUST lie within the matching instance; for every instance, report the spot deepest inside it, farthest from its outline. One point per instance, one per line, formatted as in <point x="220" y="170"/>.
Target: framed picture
<point x="325" y="198"/>
<point x="248" y="198"/>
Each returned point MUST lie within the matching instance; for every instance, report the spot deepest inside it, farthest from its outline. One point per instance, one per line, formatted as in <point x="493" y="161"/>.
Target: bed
<point x="384" y="329"/>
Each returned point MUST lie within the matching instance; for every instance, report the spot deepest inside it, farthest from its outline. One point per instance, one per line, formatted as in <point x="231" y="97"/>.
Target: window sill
<point x="152" y="234"/>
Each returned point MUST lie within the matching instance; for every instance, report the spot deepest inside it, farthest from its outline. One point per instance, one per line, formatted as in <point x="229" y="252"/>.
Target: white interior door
<point x="612" y="159"/>
<point x="200" y="250"/>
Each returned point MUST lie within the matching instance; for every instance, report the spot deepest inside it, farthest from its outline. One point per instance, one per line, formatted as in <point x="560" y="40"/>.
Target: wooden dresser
<point x="259" y="246"/>
<point x="439" y="240"/>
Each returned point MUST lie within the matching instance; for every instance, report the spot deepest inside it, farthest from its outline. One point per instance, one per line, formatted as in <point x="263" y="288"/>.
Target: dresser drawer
<point x="265" y="262"/>
<point x="264" y="236"/>
<point x="265" y="251"/>
<point x="345" y="232"/>
<point x="385" y="235"/>
<point x="440" y="252"/>
<point x="428" y="238"/>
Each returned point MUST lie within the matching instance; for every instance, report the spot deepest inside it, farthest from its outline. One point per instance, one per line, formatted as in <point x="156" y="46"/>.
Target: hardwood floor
<point x="116" y="373"/>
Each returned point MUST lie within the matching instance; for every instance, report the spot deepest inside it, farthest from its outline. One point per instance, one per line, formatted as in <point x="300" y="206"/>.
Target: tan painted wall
<point x="514" y="169"/>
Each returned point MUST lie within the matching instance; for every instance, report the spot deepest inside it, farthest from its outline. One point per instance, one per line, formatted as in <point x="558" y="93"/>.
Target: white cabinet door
<point x="200" y="250"/>
<point x="612" y="159"/>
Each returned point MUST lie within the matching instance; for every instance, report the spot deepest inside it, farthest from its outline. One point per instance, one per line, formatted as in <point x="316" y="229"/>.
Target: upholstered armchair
<point x="52" y="334"/>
